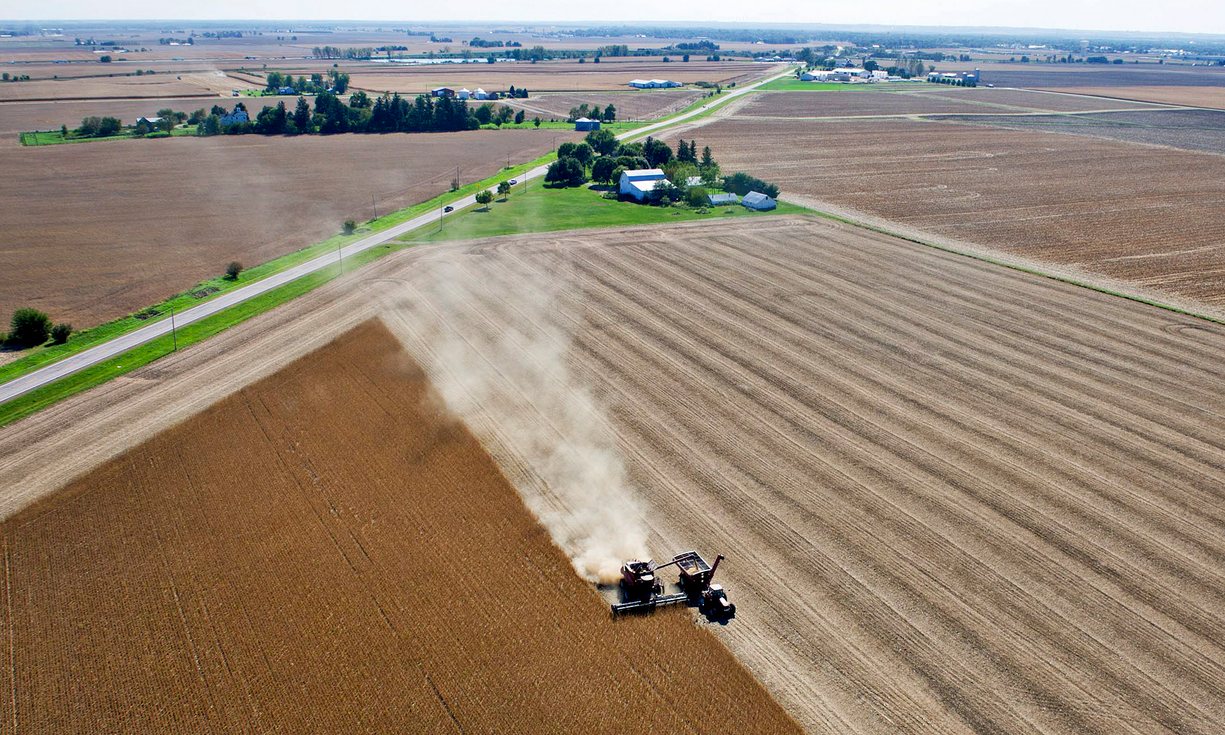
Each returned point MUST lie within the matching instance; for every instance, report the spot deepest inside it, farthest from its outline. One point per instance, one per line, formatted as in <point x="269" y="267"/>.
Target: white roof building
<point x="480" y="94"/>
<point x="757" y="200"/>
<point x="463" y="94"/>
<point x="653" y="83"/>
<point x="640" y="183"/>
<point x="723" y="198"/>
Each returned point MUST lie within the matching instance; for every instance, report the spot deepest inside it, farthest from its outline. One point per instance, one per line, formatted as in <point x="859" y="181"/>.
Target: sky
<point x="1192" y="16"/>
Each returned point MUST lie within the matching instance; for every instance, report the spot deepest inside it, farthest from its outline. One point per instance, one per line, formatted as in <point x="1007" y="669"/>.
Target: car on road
<point x="448" y="208"/>
<point x="514" y="181"/>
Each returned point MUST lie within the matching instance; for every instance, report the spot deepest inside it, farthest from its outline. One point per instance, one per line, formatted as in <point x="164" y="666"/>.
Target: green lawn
<point x="56" y="137"/>
<point x="540" y="209"/>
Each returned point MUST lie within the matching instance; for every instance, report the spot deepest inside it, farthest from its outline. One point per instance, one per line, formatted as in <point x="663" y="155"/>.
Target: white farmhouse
<point x="640" y="183"/>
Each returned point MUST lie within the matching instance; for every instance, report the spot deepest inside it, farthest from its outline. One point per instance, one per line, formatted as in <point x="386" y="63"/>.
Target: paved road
<point x="106" y="350"/>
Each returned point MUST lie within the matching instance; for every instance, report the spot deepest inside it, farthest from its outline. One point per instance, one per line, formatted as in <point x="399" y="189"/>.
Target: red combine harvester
<point x="641" y="589"/>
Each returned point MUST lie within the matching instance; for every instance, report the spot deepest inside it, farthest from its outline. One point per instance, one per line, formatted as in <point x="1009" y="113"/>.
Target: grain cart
<point x="641" y="589"/>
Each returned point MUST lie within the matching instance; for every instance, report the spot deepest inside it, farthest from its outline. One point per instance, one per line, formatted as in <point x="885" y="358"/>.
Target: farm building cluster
<point x="642" y="185"/>
<point x="654" y="84"/>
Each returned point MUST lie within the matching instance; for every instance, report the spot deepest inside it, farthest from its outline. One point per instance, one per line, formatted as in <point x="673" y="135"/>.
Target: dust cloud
<point x="494" y="337"/>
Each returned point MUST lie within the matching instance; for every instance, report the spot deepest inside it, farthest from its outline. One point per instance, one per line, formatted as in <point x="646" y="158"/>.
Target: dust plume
<point x="494" y="336"/>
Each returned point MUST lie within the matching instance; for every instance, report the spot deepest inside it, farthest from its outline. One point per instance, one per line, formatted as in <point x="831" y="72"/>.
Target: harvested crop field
<point x="144" y="219"/>
<point x="156" y="86"/>
<point x="852" y="103"/>
<point x="328" y="551"/>
<point x="1180" y="95"/>
<point x="1193" y="130"/>
<point x="642" y="105"/>
<point x="550" y="77"/>
<point x="20" y="117"/>
<point x="1137" y="218"/>
<point x="1060" y="76"/>
<point x="954" y="497"/>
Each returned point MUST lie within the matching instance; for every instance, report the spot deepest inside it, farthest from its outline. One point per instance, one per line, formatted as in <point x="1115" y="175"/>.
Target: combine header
<point x="641" y="589"/>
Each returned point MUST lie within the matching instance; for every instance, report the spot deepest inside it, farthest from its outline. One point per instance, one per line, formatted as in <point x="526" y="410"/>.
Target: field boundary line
<point x="1032" y="270"/>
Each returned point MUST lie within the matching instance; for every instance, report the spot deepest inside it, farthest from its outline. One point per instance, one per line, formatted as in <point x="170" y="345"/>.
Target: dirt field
<point x="1097" y="75"/>
<point x="19" y="117"/>
<point x="954" y="497"/>
<point x="157" y="85"/>
<point x="643" y="105"/>
<point x="144" y="219"/>
<point x="550" y="77"/>
<point x="1194" y="130"/>
<point x="1195" y="96"/>
<point x="867" y="103"/>
<point x="1145" y="219"/>
<point x="350" y="587"/>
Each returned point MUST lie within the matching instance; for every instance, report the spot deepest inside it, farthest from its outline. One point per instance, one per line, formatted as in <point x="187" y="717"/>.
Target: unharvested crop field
<point x="1194" y="130"/>
<point x="1134" y="217"/>
<point x="642" y="105"/>
<point x="329" y="551"/>
<point x="94" y="231"/>
<point x="1176" y="95"/>
<point x="919" y="101"/>
<point x="954" y="497"/>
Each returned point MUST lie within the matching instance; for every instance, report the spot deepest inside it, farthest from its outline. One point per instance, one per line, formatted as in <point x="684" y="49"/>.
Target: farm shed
<point x="653" y="83"/>
<point x="722" y="198"/>
<point x="443" y="92"/>
<point x="151" y="120"/>
<point x="757" y="200"/>
<point x="464" y="94"/>
<point x="640" y="183"/>
<point x="586" y="123"/>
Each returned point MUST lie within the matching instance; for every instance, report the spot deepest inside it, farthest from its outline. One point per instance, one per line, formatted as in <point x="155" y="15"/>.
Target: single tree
<point x="233" y="269"/>
<point x="350" y="227"/>
<point x="536" y="121"/>
<point x="566" y="171"/>
<point x="519" y="117"/>
<point x="603" y="142"/>
<point x="29" y="327"/>
<point x="484" y="198"/>
<point x="504" y="189"/>
<point x="602" y="169"/>
<point x="60" y="333"/>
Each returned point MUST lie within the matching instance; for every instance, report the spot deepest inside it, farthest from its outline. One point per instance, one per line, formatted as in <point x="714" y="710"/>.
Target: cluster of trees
<point x="14" y="77"/>
<point x="337" y="82"/>
<point x="31" y="328"/>
<point x="602" y="158"/>
<point x="222" y="34"/>
<point x="499" y="115"/>
<point x="594" y="112"/>
<point x="478" y="42"/>
<point x="385" y="114"/>
<point x="954" y="81"/>
<point x="520" y="93"/>
<point x="189" y="41"/>
<point x="702" y="45"/>
<point x="99" y="127"/>
<point x="333" y="52"/>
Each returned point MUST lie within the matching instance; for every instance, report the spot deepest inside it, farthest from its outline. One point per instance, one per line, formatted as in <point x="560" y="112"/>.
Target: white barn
<point x="653" y="83"/>
<point x="757" y="200"/>
<point x="640" y="183"/>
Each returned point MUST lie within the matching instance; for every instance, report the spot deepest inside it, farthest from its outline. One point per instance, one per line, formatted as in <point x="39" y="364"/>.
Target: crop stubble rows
<point x="954" y="498"/>
<point x="1140" y="215"/>
<point x="326" y="551"/>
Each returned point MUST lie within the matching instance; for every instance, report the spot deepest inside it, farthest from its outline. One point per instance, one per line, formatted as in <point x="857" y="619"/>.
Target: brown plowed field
<point x="642" y="105"/>
<point x="19" y="117"/>
<point x="551" y="77"/>
<point x="1195" y="96"/>
<point x="1144" y="218"/>
<point x="158" y="85"/>
<point x="955" y="498"/>
<point x="94" y="231"/>
<point x="328" y="551"/>
<point x="920" y="101"/>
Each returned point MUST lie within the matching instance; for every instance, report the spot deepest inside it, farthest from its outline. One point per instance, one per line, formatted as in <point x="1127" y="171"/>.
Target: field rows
<point x="954" y="498"/>
<point x="328" y="551"/>
<point x="1145" y="217"/>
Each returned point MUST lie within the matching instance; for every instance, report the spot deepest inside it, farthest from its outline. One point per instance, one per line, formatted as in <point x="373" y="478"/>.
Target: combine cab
<point x="641" y="589"/>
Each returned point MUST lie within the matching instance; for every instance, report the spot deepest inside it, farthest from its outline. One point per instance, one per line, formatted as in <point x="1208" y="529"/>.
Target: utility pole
<point x="340" y="257"/>
<point x="375" y="206"/>
<point x="174" y="335"/>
